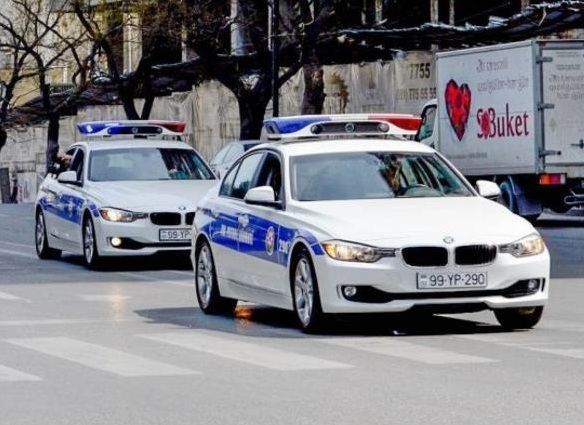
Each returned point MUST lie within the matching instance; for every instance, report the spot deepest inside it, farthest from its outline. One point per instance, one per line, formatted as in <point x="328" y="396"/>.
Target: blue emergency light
<point x="325" y="125"/>
<point x="131" y="128"/>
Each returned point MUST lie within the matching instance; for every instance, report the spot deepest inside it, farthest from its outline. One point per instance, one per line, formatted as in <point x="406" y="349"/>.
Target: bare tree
<point x="40" y="47"/>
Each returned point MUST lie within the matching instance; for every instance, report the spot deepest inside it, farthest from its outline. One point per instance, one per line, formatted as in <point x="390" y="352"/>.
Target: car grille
<point x="189" y="218"/>
<point x="470" y="255"/>
<point x="425" y="256"/>
<point x="165" y="218"/>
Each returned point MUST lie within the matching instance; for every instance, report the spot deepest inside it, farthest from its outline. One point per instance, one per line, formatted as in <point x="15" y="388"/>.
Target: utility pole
<point x="275" y="46"/>
<point x="451" y="15"/>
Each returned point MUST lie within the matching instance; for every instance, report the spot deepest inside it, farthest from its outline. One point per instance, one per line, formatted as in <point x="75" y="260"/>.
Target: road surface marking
<point x="12" y="375"/>
<point x="547" y="347"/>
<point x="255" y="354"/>
<point x="18" y="244"/>
<point x="155" y="279"/>
<point x="388" y="346"/>
<point x="17" y="253"/>
<point x="4" y="296"/>
<point x="109" y="298"/>
<point x="98" y="357"/>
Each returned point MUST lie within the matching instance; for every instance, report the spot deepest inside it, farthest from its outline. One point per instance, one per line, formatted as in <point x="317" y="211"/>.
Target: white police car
<point x="358" y="225"/>
<point x="131" y="189"/>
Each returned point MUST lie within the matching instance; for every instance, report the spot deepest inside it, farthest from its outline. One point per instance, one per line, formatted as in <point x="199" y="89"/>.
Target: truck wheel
<point x="519" y="318"/>
<point x="531" y="218"/>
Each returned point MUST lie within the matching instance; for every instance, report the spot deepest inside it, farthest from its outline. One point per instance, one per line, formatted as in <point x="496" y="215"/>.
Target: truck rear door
<point x="563" y="99"/>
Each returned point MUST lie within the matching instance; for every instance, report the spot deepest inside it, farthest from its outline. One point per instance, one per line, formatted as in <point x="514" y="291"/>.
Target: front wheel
<point x="208" y="296"/>
<point x="44" y="251"/>
<point x="305" y="294"/>
<point x="91" y="255"/>
<point x="519" y="318"/>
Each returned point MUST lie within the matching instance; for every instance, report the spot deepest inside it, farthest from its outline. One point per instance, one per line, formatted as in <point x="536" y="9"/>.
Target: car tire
<point x="305" y="294"/>
<point x="519" y="318"/>
<point x="91" y="256"/>
<point x="43" y="250"/>
<point x="207" y="289"/>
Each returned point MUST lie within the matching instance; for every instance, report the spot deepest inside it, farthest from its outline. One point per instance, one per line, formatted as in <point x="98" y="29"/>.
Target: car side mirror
<point x="69" y="177"/>
<point x="489" y="190"/>
<point x="262" y="195"/>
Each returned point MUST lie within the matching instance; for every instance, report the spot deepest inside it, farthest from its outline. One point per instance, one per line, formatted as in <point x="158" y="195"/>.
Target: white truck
<point x="514" y="113"/>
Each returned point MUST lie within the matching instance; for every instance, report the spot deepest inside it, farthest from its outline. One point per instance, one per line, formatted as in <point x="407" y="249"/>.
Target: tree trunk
<point x="147" y="108"/>
<point x="52" y="140"/>
<point x="313" y="99"/>
<point x="251" y="116"/>
<point x="3" y="137"/>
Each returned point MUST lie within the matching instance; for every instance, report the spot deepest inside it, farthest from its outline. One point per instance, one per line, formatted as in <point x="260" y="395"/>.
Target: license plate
<point x="451" y="280"/>
<point x="165" y="235"/>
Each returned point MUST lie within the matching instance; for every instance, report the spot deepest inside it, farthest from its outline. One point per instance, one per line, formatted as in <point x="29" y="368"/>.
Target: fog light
<point x="115" y="241"/>
<point x="349" y="291"/>
<point x="533" y="284"/>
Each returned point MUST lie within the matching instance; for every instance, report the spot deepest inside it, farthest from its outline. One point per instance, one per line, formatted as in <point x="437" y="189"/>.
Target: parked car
<point x="230" y="152"/>
<point x="130" y="189"/>
<point x="361" y="225"/>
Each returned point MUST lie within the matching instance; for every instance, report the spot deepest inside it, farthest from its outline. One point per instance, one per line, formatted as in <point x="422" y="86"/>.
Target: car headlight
<point x="524" y="247"/>
<point x="120" y="216"/>
<point x="348" y="251"/>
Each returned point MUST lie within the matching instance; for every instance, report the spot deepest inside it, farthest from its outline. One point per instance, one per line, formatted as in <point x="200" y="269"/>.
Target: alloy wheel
<point x="303" y="291"/>
<point x="204" y="276"/>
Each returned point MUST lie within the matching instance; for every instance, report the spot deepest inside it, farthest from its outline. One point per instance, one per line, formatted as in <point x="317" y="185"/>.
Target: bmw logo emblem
<point x="448" y="239"/>
<point x="182" y="208"/>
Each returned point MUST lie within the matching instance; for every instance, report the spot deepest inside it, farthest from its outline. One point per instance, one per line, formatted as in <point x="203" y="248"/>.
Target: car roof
<point x="132" y="144"/>
<point x="312" y="147"/>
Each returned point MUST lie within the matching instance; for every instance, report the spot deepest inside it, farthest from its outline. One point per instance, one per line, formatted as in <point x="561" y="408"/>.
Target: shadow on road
<point x="282" y="324"/>
<point x="163" y="261"/>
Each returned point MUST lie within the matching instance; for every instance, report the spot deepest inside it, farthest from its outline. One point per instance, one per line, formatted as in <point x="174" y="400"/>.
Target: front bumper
<point x="394" y="285"/>
<point x="139" y="238"/>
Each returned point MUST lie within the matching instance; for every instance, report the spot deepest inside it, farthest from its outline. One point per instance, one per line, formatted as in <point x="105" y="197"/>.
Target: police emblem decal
<point x="270" y="241"/>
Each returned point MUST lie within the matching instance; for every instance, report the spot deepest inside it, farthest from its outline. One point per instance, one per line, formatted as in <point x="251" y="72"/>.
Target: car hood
<point x="147" y="196"/>
<point x="402" y="221"/>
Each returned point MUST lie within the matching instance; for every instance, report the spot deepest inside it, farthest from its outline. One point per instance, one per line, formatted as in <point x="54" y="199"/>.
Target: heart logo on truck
<point x="458" y="106"/>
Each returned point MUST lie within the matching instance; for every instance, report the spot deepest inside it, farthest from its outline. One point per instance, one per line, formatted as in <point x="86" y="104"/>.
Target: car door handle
<point x="243" y="220"/>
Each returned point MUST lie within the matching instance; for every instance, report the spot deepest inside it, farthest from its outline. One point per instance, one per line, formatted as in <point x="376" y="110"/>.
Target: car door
<point x="72" y="200"/>
<point x="224" y="226"/>
<point x="54" y="207"/>
<point x="261" y="226"/>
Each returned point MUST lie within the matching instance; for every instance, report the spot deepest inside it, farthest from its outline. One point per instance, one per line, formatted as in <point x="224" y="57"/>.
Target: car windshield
<point x="373" y="175"/>
<point x="147" y="164"/>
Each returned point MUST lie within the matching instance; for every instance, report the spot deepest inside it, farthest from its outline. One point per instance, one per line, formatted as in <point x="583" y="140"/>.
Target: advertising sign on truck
<point x="511" y="113"/>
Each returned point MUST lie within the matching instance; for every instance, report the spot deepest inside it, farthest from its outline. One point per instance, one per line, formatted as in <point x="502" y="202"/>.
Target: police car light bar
<point x="131" y="128"/>
<point x="310" y="126"/>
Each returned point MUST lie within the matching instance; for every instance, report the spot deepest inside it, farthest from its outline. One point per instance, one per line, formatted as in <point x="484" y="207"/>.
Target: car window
<point x="218" y="159"/>
<point x="142" y="164"/>
<point x="427" y="126"/>
<point x="270" y="174"/>
<point x="234" y="152"/>
<point x="373" y="175"/>
<point x="227" y="185"/>
<point x="77" y="164"/>
<point x="245" y="175"/>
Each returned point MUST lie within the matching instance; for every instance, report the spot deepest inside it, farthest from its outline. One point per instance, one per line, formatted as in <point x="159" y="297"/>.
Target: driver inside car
<point x="391" y="173"/>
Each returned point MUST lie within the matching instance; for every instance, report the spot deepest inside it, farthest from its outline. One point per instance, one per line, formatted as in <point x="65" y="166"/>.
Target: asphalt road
<point x="129" y="346"/>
